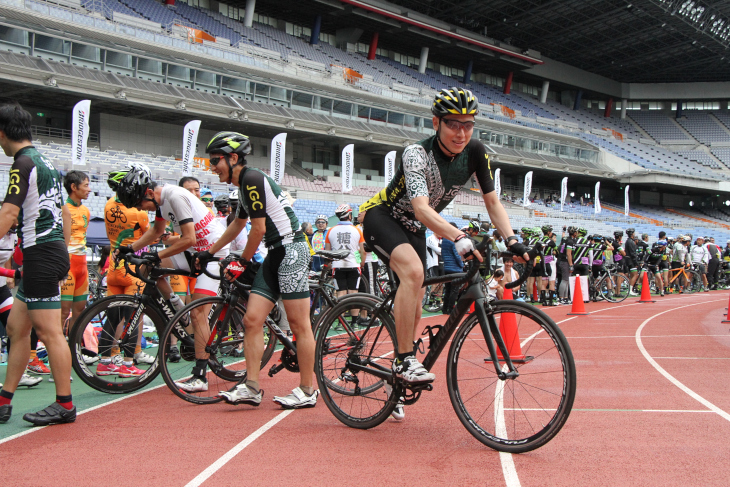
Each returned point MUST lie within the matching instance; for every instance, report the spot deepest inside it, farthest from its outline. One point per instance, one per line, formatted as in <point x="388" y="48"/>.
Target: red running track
<point x="652" y="409"/>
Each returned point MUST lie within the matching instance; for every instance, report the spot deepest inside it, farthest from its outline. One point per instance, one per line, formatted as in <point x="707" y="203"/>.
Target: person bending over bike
<point x="198" y="229"/>
<point x="283" y="273"/>
<point x="431" y="174"/>
<point x="653" y="262"/>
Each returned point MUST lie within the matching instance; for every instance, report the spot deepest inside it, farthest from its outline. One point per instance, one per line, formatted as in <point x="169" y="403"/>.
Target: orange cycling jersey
<point x="79" y="224"/>
<point x="124" y="225"/>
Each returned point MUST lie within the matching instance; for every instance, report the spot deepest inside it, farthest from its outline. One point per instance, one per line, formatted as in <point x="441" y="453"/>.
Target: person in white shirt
<point x="699" y="255"/>
<point x="345" y="236"/>
<point x="495" y="286"/>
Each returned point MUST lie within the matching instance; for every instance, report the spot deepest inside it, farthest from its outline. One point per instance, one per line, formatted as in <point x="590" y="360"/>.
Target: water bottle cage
<point x="431" y="335"/>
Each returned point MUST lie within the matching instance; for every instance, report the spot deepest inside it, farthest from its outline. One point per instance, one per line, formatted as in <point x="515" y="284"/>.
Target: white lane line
<point x="208" y="472"/>
<point x="94" y="408"/>
<point x="669" y="376"/>
<point x="619" y="410"/>
<point x="692" y="358"/>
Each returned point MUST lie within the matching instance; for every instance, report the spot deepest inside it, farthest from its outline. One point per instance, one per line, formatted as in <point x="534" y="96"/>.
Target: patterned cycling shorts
<point x="284" y="273"/>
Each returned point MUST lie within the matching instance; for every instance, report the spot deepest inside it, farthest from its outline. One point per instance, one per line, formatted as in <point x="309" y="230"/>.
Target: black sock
<point x="402" y="356"/>
<point x="65" y="401"/>
<point x="201" y="366"/>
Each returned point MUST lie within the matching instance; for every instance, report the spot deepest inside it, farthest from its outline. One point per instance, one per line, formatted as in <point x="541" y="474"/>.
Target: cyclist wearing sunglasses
<point x="206" y="196"/>
<point x="431" y="174"/>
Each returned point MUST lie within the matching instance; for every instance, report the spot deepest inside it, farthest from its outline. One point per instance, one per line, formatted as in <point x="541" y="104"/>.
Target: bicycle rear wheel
<point x="226" y="366"/>
<point x="346" y="356"/>
<point x="694" y="283"/>
<point x="513" y="415"/>
<point x="97" y="334"/>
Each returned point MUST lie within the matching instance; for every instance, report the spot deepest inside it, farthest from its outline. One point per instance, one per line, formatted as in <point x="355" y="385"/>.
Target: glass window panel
<point x="378" y="115"/>
<point x="302" y="100"/>
<point x="342" y="108"/>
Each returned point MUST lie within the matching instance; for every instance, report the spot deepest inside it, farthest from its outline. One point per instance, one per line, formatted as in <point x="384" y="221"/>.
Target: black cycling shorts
<point x="654" y="268"/>
<point x="347" y="279"/>
<point x="383" y="234"/>
<point x="580" y="269"/>
<point x="629" y="264"/>
<point x="664" y="265"/>
<point x="45" y="266"/>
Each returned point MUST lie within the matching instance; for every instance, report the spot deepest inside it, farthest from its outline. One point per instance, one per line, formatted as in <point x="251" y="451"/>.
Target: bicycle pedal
<point x="275" y="369"/>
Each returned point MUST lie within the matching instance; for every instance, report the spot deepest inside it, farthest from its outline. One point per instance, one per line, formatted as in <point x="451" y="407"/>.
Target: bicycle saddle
<point x="333" y="254"/>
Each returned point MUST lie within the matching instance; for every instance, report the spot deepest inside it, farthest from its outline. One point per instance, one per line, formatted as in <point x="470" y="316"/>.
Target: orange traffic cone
<point x="510" y="334"/>
<point x="645" y="292"/>
<point x="578" y="307"/>
<point x="727" y="320"/>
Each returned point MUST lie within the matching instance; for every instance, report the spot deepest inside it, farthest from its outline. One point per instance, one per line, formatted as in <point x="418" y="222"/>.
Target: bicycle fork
<point x="491" y="335"/>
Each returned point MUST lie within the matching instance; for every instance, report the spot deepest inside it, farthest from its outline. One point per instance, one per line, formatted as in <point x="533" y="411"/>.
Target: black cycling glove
<point x="151" y="257"/>
<point x="517" y="248"/>
<point x="202" y="258"/>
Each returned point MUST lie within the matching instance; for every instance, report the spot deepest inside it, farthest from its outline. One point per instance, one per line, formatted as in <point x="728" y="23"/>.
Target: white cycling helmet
<point x="233" y="195"/>
<point x="343" y="211"/>
<point x="321" y="218"/>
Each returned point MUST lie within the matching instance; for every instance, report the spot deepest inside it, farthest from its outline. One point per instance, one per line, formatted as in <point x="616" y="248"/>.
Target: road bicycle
<point x="111" y="325"/>
<point x="225" y="346"/>
<point x="611" y="286"/>
<point x="683" y="280"/>
<point x="509" y="399"/>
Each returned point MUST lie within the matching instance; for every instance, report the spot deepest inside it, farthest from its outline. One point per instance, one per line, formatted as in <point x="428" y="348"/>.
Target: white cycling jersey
<point x="180" y="206"/>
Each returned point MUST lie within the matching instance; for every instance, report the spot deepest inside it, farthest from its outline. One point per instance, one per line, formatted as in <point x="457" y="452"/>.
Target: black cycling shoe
<point x="5" y="411"/>
<point x="173" y="355"/>
<point x="53" y="414"/>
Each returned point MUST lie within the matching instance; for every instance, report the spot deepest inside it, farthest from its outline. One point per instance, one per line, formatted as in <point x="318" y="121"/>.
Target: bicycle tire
<point x="694" y="283"/>
<point x="226" y="366"/>
<point x="522" y="414"/>
<point x="97" y="314"/>
<point x="620" y="291"/>
<point x="340" y="386"/>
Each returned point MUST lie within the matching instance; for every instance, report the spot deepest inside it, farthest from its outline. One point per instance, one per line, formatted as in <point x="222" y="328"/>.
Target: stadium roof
<point x="631" y="41"/>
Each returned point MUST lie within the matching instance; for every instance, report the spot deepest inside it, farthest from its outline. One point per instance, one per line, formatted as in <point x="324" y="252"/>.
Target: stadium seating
<point x="660" y="127"/>
<point x="703" y="127"/>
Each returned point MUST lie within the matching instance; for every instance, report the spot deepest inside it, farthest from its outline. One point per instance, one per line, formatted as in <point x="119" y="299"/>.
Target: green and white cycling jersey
<point x="35" y="187"/>
<point x="260" y="197"/>
<point x="426" y="171"/>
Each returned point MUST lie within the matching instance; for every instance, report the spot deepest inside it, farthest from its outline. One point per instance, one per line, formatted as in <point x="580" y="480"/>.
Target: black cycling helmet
<point x="618" y="233"/>
<point x="455" y="101"/>
<point x="546" y="229"/>
<point x="221" y="202"/>
<point x="133" y="186"/>
<point x="572" y="230"/>
<point x="230" y="143"/>
<point x="630" y="231"/>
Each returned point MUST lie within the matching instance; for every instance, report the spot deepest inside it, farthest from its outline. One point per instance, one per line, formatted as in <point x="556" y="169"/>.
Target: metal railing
<point x="40" y="131"/>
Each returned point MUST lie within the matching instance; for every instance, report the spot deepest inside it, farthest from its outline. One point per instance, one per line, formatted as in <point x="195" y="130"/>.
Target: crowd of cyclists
<point x="192" y="231"/>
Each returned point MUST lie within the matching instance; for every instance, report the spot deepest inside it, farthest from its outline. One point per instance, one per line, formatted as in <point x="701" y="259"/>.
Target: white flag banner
<point x="190" y="139"/>
<point x="597" y="200"/>
<point x="528" y="189"/>
<point x="389" y="167"/>
<point x="80" y="132"/>
<point x="278" y="158"/>
<point x="497" y="183"/>
<point x="563" y="192"/>
<point x="348" y="167"/>
<point x="626" y="201"/>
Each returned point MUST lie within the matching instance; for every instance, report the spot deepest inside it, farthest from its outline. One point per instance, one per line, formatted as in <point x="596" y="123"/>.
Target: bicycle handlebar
<point x="141" y="261"/>
<point x="482" y="247"/>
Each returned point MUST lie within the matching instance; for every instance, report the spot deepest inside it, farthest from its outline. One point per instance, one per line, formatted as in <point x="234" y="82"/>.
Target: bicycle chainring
<point x="410" y="397"/>
<point x="290" y="361"/>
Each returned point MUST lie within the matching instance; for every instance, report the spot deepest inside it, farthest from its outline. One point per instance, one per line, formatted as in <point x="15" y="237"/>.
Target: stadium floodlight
<point x="572" y="195"/>
<point x="691" y="203"/>
<point x="727" y="203"/>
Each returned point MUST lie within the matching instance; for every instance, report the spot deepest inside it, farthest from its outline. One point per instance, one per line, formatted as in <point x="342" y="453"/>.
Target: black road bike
<point x="510" y="372"/>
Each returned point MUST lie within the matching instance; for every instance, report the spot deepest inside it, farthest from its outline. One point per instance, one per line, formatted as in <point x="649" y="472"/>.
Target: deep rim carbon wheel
<point x="94" y="332"/>
<point x="356" y="398"/>
<point x="226" y="365"/>
<point x="512" y="415"/>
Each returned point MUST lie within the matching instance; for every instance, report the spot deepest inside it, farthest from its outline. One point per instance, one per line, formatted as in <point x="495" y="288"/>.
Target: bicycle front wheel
<point x="618" y="290"/>
<point x="351" y="361"/>
<point x="520" y="414"/>
<point x="97" y="335"/>
<point x="226" y="365"/>
<point x="694" y="282"/>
